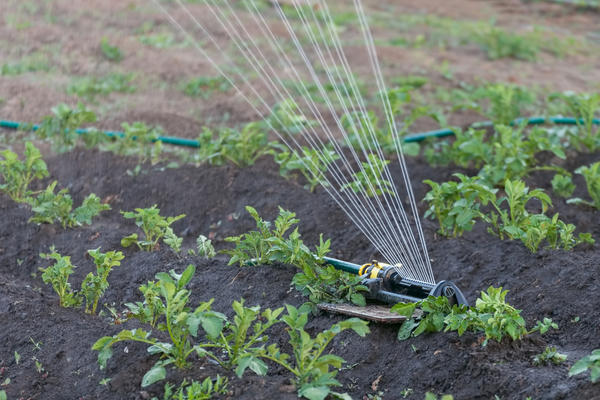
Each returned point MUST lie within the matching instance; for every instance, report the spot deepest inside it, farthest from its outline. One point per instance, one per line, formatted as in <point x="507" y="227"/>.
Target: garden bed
<point x="561" y="285"/>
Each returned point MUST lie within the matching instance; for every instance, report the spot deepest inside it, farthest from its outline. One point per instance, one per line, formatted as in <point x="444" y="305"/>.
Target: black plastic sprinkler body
<point x="386" y="285"/>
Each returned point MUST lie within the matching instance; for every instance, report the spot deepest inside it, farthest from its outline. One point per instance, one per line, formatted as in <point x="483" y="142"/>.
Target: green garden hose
<point x="415" y="137"/>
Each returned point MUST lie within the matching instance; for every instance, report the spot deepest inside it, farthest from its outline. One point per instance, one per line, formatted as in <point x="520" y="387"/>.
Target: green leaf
<point x="406" y="309"/>
<point x="579" y="367"/>
<point x="155" y="374"/>
<point x="252" y="362"/>
<point x="129" y="240"/>
<point x="406" y="329"/>
<point x="314" y="393"/>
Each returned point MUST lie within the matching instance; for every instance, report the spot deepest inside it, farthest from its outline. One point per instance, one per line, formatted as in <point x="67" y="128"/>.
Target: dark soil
<point x="556" y="284"/>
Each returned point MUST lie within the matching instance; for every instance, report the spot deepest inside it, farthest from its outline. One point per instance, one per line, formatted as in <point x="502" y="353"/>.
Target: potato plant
<point x="591" y="174"/>
<point x="369" y="180"/>
<point x="314" y="371"/>
<point x="241" y="147"/>
<point x="268" y="245"/>
<point x="491" y="315"/>
<point x="457" y="207"/>
<point x="508" y="153"/>
<point x="58" y="276"/>
<point x="590" y="362"/>
<point x="139" y="140"/>
<point x="61" y="127"/>
<point x="110" y="52"/>
<point x="180" y="322"/>
<point x="93" y="285"/>
<point x="18" y="174"/>
<point x="584" y="107"/>
<point x="312" y="164"/>
<point x="153" y="225"/>
<point x="49" y="207"/>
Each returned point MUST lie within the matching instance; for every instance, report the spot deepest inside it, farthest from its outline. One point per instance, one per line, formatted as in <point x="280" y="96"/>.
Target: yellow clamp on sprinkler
<point x="372" y="269"/>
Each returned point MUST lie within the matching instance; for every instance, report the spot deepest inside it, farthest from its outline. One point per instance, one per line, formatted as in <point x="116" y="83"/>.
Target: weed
<point x="110" y="52"/>
<point x="369" y="180"/>
<point x="204" y="86"/>
<point x="50" y="207"/>
<point x="498" y="43"/>
<point x="591" y="175"/>
<point x="158" y="40"/>
<point x="18" y="174"/>
<point x="312" y="368"/>
<point x="91" y="87"/>
<point x="590" y="362"/>
<point x="58" y="276"/>
<point x="195" y="390"/>
<point x="61" y="128"/>
<point x="33" y="63"/>
<point x="549" y="355"/>
<point x="152" y="224"/>
<point x="313" y="164"/>
<point x="94" y="286"/>
<point x="17" y="357"/>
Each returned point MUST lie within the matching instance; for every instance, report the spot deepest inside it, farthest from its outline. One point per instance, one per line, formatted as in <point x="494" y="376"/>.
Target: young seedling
<point x="94" y="286"/>
<point x="205" y="86"/>
<point x="204" y="248"/>
<point x="110" y="52"/>
<point x="314" y="371"/>
<point x="152" y="224"/>
<point x="18" y="174"/>
<point x="58" y="276"/>
<point x="549" y="355"/>
<point x="50" y="207"/>
<point x="91" y="87"/>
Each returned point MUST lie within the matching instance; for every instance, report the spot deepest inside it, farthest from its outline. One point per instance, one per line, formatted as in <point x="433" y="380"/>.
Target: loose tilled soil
<point x="557" y="284"/>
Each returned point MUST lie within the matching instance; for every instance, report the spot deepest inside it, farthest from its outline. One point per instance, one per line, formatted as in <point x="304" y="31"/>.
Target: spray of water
<point x="284" y="59"/>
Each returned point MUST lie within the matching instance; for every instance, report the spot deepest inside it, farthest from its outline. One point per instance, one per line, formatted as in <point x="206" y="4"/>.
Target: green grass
<point x="91" y="87"/>
<point x="34" y="62"/>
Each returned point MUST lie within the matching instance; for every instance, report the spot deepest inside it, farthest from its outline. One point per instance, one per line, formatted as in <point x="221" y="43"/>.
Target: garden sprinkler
<point x="385" y="284"/>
